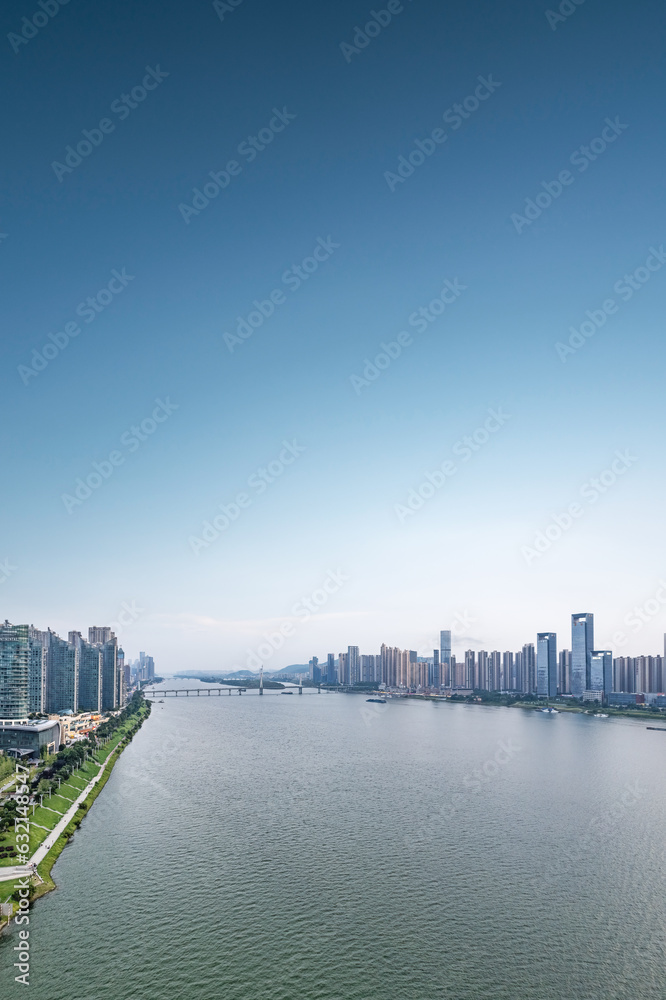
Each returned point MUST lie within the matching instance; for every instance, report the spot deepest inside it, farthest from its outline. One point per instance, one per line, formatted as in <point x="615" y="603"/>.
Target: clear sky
<point x="533" y="199"/>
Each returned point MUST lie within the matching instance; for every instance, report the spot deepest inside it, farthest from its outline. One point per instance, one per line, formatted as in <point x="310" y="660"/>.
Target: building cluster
<point x="537" y="669"/>
<point x="43" y="674"/>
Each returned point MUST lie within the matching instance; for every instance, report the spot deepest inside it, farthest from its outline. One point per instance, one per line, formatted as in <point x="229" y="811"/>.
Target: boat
<point x="286" y="692"/>
<point x="600" y="715"/>
<point x="377" y="701"/>
<point x="551" y="711"/>
<point x="656" y="729"/>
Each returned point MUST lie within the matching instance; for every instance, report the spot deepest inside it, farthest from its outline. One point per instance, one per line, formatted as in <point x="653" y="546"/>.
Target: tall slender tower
<point x="546" y="665"/>
<point x="582" y="644"/>
<point x="445" y="659"/>
<point x="261" y="680"/>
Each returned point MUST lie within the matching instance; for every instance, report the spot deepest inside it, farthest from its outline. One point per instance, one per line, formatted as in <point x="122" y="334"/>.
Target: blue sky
<point x="321" y="182"/>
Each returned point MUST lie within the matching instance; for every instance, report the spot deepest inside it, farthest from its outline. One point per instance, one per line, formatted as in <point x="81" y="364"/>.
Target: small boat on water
<point x="601" y="715"/>
<point x="286" y="692"/>
<point x="377" y="701"/>
<point x="551" y="711"/>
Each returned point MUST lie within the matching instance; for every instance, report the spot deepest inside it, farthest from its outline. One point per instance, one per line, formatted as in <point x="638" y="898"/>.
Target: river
<point x="321" y="847"/>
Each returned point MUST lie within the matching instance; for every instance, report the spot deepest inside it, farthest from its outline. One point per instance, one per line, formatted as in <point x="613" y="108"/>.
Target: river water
<point x="320" y="847"/>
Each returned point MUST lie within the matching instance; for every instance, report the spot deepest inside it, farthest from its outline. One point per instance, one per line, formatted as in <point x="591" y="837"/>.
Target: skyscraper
<point x="470" y="668"/>
<point x="546" y="666"/>
<point x="90" y="673"/>
<point x="529" y="669"/>
<point x="331" y="677"/>
<point x="495" y="671"/>
<point x="109" y="670"/>
<point x="14" y="671"/>
<point x="601" y="671"/>
<point x="354" y="664"/>
<point x="436" y="679"/>
<point x="36" y="670"/>
<point x="445" y="658"/>
<point x="508" y="675"/>
<point x="564" y="672"/>
<point x="582" y="644"/>
<point x="62" y="674"/>
<point x="99" y="634"/>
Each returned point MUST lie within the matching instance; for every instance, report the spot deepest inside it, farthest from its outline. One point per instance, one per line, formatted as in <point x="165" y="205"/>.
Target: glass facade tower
<point x="582" y="644"/>
<point x="546" y="665"/>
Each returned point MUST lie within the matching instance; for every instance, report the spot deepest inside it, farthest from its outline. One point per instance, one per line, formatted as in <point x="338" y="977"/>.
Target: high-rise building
<point x="546" y="666"/>
<point x="14" y="671"/>
<point x="436" y="678"/>
<point x="495" y="671"/>
<point x="90" y="673"/>
<point x="109" y="672"/>
<point x="331" y="676"/>
<point x="564" y="672"/>
<point x="354" y="664"/>
<point x="470" y="668"/>
<point x="481" y="680"/>
<point x="508" y="674"/>
<point x="36" y="671"/>
<point x="315" y="670"/>
<point x="99" y="634"/>
<point x="601" y="671"/>
<point x="518" y="676"/>
<point x="122" y="689"/>
<point x="445" y="657"/>
<point x="62" y="674"/>
<point x="343" y="669"/>
<point x="582" y="644"/>
<point x="529" y="669"/>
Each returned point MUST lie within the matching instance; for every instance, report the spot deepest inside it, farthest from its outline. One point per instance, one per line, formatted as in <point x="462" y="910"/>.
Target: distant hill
<point x="217" y="674"/>
<point x="295" y="668"/>
<point x="241" y="678"/>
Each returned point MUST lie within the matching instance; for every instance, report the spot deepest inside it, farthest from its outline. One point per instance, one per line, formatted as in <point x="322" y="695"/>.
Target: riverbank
<point x="50" y="845"/>
<point x="589" y="708"/>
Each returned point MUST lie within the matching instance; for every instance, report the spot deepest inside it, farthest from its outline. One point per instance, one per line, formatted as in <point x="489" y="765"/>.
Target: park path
<point x="19" y="871"/>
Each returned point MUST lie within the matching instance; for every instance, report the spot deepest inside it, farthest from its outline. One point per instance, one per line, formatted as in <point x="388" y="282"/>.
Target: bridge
<point x="177" y="692"/>
<point x="208" y="691"/>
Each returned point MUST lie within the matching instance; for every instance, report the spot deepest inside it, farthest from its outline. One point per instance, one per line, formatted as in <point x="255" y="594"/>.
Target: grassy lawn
<point x="51" y="813"/>
<point x="45" y="817"/>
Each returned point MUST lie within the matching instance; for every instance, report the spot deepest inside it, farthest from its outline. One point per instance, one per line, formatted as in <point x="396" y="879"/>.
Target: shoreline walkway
<point x="29" y="868"/>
